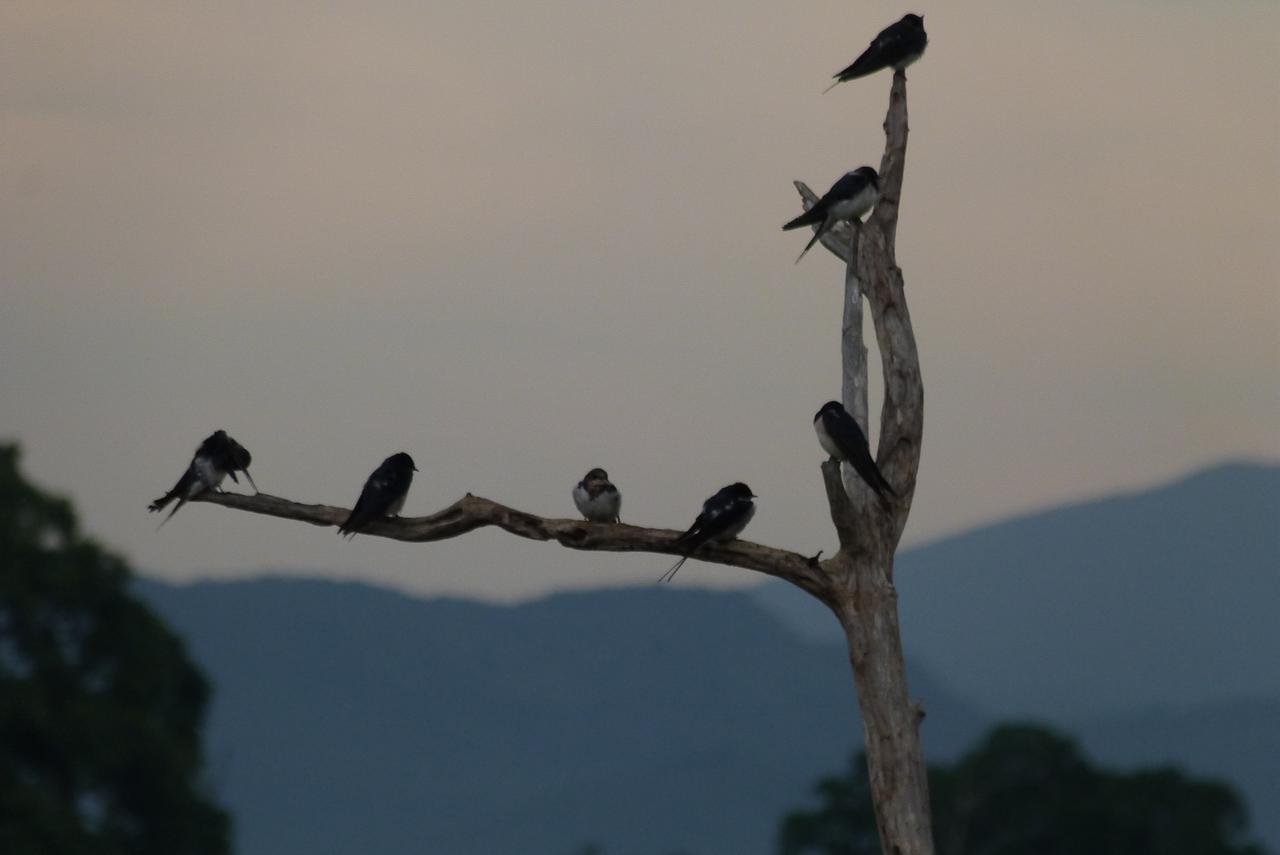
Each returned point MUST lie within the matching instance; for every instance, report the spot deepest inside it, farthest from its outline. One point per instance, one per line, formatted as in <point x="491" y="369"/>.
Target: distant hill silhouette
<point x="1145" y="623"/>
<point x="352" y="719"/>
<point x="653" y="720"/>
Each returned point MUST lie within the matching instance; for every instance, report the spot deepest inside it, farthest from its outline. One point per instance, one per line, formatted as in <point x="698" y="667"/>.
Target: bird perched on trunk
<point x="597" y="499"/>
<point x="723" y="518"/>
<point x="839" y="434"/>
<point x="216" y="458"/>
<point x="848" y="199"/>
<point x="897" y="46"/>
<point x="383" y="494"/>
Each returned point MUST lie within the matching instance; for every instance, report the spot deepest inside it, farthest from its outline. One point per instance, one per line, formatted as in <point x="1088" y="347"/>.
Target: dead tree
<point x="857" y="582"/>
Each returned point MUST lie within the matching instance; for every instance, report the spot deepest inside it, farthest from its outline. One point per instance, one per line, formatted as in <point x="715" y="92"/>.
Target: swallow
<point x="596" y="498"/>
<point x="897" y="46"/>
<point x="216" y="458"/>
<point x="383" y="494"/>
<point x="848" y="199"/>
<point x="839" y="434"/>
<point x="723" y="518"/>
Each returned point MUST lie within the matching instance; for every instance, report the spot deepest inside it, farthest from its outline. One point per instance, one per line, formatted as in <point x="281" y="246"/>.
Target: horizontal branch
<point x="473" y="512"/>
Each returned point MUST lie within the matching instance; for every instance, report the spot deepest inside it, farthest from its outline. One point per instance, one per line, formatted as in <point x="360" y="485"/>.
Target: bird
<point x="723" y="518"/>
<point x="853" y="195"/>
<point x="597" y="499"/>
<point x="897" y="46"/>
<point x="839" y="434"/>
<point x="383" y="494"/>
<point x="217" y="457"/>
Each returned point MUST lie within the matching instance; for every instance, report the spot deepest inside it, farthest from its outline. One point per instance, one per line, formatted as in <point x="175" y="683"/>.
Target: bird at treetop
<point x="597" y="499"/>
<point x="897" y="46"/>
<point x="383" y="494"/>
<point x="723" y="518"/>
<point x="839" y="434"/>
<point x="216" y="458"/>
<point x="853" y="195"/>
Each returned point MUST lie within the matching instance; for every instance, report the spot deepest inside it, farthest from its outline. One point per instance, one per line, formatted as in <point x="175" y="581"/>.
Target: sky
<point x="522" y="240"/>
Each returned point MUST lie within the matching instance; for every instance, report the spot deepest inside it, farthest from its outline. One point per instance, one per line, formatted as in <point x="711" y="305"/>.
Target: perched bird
<point x="383" y="494"/>
<point x="723" y="518"/>
<point x="848" y="199"/>
<point x="897" y="46"/>
<point x="839" y="434"/>
<point x="597" y="499"/>
<point x="216" y="458"/>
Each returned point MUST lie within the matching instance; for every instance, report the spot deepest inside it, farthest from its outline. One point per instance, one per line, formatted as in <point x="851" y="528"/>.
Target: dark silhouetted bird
<point x="839" y="434"/>
<point x="848" y="199"/>
<point x="723" y="518"/>
<point x="597" y="499"/>
<point x="383" y="494"/>
<point x="216" y="458"/>
<point x="897" y="46"/>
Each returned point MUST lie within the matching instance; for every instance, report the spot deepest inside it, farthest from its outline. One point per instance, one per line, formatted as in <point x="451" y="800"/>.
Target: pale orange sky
<point x="521" y="240"/>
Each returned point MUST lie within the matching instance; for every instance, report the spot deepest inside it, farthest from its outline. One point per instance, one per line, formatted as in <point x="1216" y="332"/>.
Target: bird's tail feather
<point x="817" y="233"/>
<point x="837" y="82"/>
<point x="181" y="502"/>
<point x="675" y="568"/>
<point x="163" y="502"/>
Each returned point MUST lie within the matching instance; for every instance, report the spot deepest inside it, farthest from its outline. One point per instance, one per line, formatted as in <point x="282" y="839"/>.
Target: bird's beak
<point x="251" y="484"/>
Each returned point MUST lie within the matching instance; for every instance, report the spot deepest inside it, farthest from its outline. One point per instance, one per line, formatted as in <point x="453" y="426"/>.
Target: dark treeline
<point x="100" y="707"/>
<point x="1026" y="790"/>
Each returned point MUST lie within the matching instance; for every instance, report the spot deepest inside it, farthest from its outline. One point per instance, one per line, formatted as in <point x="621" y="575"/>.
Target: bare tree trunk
<point x="863" y="595"/>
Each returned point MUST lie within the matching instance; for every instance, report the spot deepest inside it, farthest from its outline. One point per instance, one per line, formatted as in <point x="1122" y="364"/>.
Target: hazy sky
<point x="520" y="240"/>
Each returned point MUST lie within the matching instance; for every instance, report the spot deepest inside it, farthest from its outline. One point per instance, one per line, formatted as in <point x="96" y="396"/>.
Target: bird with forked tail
<point x="852" y="196"/>
<point x="896" y="46"/>
<point x="216" y="458"/>
<point x="723" y="518"/>
<point x="383" y="494"/>
<point x="839" y="435"/>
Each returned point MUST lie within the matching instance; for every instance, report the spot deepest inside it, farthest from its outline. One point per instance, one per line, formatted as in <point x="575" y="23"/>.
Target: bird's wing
<point x="811" y="217"/>
<point x="849" y="185"/>
<point x="846" y="434"/>
<point x="881" y="53"/>
<point x="693" y="538"/>
<point x="373" y="502"/>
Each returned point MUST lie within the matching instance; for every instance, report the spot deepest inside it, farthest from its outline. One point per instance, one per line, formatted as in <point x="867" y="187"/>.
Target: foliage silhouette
<point x="100" y="708"/>
<point x="1024" y="790"/>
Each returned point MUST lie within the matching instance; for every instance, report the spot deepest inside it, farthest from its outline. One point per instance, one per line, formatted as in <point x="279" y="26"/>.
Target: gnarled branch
<point x="473" y="512"/>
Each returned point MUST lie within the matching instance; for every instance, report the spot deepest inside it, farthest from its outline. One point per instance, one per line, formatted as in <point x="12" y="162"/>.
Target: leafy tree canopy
<point x="1025" y="790"/>
<point x="100" y="708"/>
